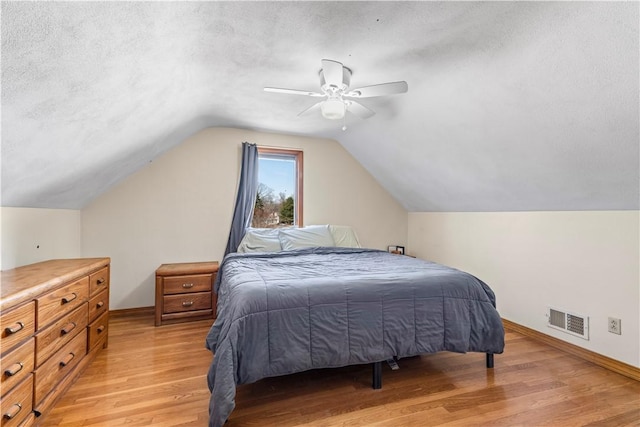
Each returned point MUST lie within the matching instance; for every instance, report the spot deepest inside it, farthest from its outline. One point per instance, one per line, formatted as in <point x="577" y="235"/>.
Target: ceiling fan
<point x="335" y="79"/>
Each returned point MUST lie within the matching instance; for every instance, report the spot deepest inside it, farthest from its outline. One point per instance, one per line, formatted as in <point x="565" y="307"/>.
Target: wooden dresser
<point x="54" y="319"/>
<point x="184" y="291"/>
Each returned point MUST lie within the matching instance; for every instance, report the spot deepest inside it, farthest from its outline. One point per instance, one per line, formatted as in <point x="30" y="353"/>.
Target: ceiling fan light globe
<point x="333" y="109"/>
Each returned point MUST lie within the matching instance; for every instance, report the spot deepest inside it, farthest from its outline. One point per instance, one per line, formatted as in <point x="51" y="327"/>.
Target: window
<point x="279" y="198"/>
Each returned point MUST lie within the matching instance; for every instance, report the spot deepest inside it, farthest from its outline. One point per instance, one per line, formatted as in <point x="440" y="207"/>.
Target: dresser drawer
<point x="98" y="330"/>
<point x="49" y="340"/>
<point x="61" y="301"/>
<point x="99" y="281"/>
<point x="187" y="302"/>
<point x="183" y="284"/>
<point x="16" y="365"/>
<point x="17" y="325"/>
<point x="98" y="304"/>
<point x="29" y="421"/>
<point x="16" y="406"/>
<point x="58" y="366"/>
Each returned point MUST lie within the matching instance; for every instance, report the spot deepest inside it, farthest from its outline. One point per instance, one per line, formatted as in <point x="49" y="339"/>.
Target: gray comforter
<point x="286" y="312"/>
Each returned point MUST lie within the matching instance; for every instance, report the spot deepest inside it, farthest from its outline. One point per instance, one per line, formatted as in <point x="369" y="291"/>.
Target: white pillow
<point x="306" y="237"/>
<point x="260" y="240"/>
<point x="344" y="236"/>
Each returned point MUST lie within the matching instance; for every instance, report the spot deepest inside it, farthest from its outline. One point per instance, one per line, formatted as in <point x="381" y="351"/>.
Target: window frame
<point x="298" y="197"/>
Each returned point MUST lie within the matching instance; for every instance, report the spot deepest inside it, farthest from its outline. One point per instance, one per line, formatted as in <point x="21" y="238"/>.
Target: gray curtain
<point x="246" y="198"/>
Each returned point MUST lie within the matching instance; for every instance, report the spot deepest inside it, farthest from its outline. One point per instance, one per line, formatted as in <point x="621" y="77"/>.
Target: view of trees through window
<point x="275" y="204"/>
<point x="270" y="210"/>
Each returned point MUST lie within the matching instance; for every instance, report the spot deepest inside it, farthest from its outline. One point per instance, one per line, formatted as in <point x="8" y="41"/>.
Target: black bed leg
<point x="489" y="360"/>
<point x="377" y="375"/>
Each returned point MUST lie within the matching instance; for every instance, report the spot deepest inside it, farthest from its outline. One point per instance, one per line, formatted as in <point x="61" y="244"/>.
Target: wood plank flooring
<point x="157" y="377"/>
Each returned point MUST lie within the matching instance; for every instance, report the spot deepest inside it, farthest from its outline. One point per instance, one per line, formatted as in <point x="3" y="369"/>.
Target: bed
<point x="287" y="311"/>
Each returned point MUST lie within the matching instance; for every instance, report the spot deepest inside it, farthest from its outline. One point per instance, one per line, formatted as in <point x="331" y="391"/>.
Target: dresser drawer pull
<point x="15" y="328"/>
<point x="187" y="285"/>
<point x="13" y="369"/>
<point x="100" y="328"/>
<point x="68" y="328"/>
<point x="100" y="281"/>
<point x="187" y="303"/>
<point x="67" y="359"/>
<point x="66" y="300"/>
<point x="100" y="304"/>
<point x="13" y="411"/>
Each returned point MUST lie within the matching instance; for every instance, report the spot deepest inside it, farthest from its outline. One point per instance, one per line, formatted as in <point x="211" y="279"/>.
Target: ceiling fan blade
<point x="359" y="109"/>
<point x="378" y="90"/>
<point x="292" y="91"/>
<point x="332" y="71"/>
<point x="314" y="107"/>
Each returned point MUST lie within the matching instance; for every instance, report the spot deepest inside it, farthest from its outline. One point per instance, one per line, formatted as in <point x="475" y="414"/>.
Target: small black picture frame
<point x="398" y="250"/>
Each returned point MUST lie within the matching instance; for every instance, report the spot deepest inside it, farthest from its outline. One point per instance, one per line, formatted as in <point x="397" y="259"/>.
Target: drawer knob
<point x="67" y="360"/>
<point x="13" y="369"/>
<point x="100" y="281"/>
<point x="187" y="285"/>
<point x="68" y="328"/>
<point x="187" y="303"/>
<point x="13" y="411"/>
<point x="100" y="304"/>
<point x="100" y="328"/>
<point x="14" y="328"/>
<point x="68" y="299"/>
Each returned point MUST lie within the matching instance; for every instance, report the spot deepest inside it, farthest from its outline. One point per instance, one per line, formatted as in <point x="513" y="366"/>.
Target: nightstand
<point x="184" y="292"/>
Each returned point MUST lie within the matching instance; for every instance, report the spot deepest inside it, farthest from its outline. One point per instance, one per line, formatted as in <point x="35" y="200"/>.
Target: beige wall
<point x="31" y="235"/>
<point x="582" y="262"/>
<point x="179" y="208"/>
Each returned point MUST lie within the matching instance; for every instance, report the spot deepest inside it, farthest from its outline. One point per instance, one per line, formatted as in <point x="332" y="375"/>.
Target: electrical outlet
<point x="615" y="326"/>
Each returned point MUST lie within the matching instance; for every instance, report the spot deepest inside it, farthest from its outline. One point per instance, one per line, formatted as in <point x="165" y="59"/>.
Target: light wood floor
<point x="157" y="376"/>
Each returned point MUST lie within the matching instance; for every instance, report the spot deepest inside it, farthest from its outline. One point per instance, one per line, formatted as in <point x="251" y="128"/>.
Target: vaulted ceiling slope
<point x="511" y="106"/>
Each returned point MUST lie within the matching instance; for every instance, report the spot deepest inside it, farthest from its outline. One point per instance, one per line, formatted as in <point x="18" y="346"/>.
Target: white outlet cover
<point x="615" y="325"/>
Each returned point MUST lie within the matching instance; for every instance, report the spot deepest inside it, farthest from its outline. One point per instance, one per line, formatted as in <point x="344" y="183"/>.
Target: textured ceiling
<point x="511" y="105"/>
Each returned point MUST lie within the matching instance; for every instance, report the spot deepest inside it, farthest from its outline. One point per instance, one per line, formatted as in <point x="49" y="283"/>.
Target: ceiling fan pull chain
<point x="344" y="122"/>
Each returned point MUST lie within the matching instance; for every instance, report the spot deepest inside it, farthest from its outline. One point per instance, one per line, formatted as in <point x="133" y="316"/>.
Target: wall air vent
<point x="571" y="323"/>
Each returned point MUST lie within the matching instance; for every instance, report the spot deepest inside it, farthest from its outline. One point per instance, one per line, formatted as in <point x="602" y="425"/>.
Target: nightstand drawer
<point x="184" y="284"/>
<point x="17" y="325"/>
<point x="16" y="366"/>
<point x="61" y="301"/>
<point x="59" y="333"/>
<point x="187" y="302"/>
<point x="17" y="404"/>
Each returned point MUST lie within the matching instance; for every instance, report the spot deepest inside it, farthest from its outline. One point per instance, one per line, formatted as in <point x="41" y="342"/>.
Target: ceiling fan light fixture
<point x="333" y="109"/>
